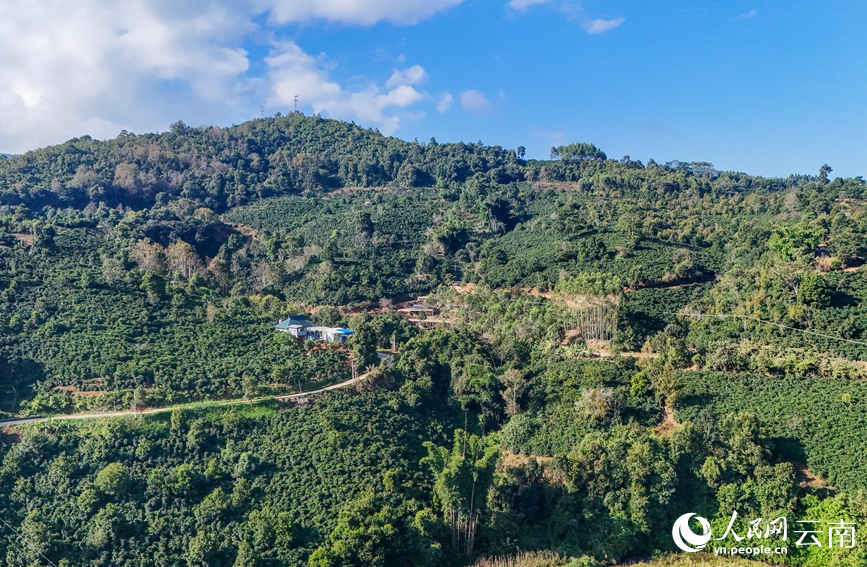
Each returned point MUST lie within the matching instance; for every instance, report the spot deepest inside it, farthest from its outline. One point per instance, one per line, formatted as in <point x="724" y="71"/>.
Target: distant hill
<point x="275" y="156"/>
<point x="220" y="168"/>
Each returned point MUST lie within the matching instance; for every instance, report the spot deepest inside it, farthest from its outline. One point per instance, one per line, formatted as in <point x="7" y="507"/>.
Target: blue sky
<point x="768" y="88"/>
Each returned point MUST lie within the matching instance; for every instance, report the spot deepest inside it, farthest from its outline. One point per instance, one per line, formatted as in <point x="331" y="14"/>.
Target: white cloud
<point x="521" y="5"/>
<point x="474" y="100"/>
<point x="294" y="72"/>
<point x="595" y="27"/>
<point x="444" y="103"/>
<point x="411" y="76"/>
<point x="98" y="66"/>
<point x="573" y="11"/>
<point x="359" y="12"/>
<point x="750" y="14"/>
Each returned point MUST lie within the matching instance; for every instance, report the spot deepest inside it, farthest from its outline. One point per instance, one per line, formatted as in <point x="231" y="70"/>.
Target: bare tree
<point x="515" y="385"/>
<point x="126" y="176"/>
<point x="184" y="259"/>
<point x="598" y="403"/>
<point x="112" y="268"/>
<point x="149" y="256"/>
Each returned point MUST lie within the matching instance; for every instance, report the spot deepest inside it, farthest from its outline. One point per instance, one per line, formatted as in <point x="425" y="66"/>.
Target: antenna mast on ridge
<point x="296" y="103"/>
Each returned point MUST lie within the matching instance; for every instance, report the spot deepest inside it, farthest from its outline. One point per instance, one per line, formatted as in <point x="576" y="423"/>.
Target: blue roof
<point x="293" y="320"/>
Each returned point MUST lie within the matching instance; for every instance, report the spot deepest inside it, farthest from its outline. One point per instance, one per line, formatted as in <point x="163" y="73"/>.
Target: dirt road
<point x="287" y="397"/>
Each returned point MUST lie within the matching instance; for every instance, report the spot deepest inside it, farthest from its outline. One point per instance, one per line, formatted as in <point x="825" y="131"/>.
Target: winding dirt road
<point x="285" y="398"/>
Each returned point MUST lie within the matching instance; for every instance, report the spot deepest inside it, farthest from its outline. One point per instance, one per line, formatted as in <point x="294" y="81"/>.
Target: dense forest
<point x="603" y="346"/>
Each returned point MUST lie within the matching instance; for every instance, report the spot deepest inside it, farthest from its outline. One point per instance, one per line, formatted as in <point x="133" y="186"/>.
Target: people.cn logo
<point x="685" y="538"/>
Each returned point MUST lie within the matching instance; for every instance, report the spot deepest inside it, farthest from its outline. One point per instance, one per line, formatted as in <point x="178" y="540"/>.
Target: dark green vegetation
<point x="204" y="488"/>
<point x="67" y="323"/>
<point x="810" y="420"/>
<point x="606" y="295"/>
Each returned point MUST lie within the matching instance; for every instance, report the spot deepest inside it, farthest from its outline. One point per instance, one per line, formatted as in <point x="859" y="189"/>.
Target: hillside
<point x="586" y="349"/>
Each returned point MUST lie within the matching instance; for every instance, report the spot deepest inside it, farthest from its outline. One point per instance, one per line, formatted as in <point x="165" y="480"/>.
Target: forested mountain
<point x="615" y="344"/>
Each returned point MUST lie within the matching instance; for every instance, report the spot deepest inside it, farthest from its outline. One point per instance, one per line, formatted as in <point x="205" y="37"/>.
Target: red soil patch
<point x="668" y="425"/>
<point x="76" y="392"/>
<point x="807" y="479"/>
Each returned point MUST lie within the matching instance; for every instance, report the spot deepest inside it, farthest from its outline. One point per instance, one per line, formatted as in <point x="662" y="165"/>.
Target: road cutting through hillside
<point x="102" y="415"/>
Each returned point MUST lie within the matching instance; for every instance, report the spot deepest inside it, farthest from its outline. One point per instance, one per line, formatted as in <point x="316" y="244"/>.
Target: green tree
<point x="794" y="240"/>
<point x="113" y="479"/>
<point x="824" y="172"/>
<point x="251" y="387"/>
<point x="463" y="476"/>
<point x="812" y="290"/>
<point x="578" y="152"/>
<point x="154" y="285"/>
<point x="374" y="530"/>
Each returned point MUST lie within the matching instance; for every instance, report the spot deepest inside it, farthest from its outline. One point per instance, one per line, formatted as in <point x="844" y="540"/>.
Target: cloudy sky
<point x="769" y="88"/>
